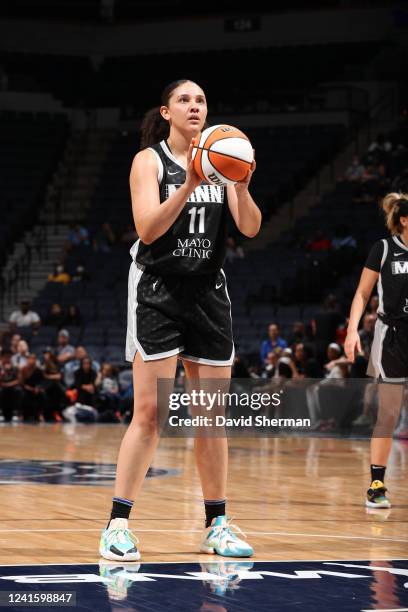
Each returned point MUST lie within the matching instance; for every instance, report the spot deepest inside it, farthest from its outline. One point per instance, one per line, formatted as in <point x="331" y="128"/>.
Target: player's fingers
<point x="190" y="151"/>
<point x="358" y="343"/>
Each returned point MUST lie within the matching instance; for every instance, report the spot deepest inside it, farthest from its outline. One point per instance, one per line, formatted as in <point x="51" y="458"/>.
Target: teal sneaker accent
<point x="118" y="543"/>
<point x="220" y="539"/>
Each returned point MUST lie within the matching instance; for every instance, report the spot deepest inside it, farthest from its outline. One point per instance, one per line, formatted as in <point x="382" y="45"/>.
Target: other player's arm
<point x="365" y="287"/>
<point x="151" y="218"/>
<point x="244" y="211"/>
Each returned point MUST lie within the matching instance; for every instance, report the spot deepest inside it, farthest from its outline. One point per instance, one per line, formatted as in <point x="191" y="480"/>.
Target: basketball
<point x="222" y="155"/>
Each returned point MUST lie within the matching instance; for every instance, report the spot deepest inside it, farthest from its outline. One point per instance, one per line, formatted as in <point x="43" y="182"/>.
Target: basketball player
<point x="178" y="306"/>
<point x="387" y="265"/>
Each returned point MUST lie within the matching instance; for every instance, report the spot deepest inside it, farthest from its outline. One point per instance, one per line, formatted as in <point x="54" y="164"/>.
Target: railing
<point x="16" y="280"/>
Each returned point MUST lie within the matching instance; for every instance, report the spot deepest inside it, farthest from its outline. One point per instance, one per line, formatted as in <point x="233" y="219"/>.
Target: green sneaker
<point x="219" y="539"/>
<point x="376" y="497"/>
<point x="118" y="543"/>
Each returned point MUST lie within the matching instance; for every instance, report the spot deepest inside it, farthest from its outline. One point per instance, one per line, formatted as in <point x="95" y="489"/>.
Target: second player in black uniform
<point x="386" y="265"/>
<point x="178" y="306"/>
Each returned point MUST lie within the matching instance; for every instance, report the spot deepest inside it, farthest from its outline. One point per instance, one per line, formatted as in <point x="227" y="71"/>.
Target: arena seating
<point x="30" y="147"/>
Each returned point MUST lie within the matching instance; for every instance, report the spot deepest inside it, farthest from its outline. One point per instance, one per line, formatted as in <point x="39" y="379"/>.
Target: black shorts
<point x="190" y="316"/>
<point x="389" y="353"/>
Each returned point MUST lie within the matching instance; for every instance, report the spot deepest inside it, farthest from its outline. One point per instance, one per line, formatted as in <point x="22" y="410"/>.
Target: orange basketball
<point x="223" y="154"/>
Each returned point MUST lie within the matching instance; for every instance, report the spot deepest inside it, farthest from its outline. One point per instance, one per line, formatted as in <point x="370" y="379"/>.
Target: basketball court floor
<point x="300" y="502"/>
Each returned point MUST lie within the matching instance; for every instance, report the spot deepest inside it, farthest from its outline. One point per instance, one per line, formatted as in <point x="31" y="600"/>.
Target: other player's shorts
<point x="389" y="352"/>
<point x="190" y="316"/>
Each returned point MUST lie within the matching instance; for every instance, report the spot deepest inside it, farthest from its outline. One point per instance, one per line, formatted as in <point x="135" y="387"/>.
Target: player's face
<point x="187" y="109"/>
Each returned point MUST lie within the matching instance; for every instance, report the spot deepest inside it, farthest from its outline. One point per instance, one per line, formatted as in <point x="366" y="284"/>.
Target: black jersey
<point x="389" y="257"/>
<point x="196" y="242"/>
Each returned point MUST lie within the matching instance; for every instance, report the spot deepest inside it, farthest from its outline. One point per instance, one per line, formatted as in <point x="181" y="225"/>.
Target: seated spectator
<point x="271" y="363"/>
<point x="31" y="380"/>
<point x="73" y="365"/>
<point x="366" y="333"/>
<point x="104" y="239"/>
<point x="300" y="357"/>
<point x="373" y="305"/>
<point x="320" y="242"/>
<point x="64" y="351"/>
<point x="73" y="316"/>
<point x="129" y="235"/>
<point x="239" y="368"/>
<point x="24" y="318"/>
<point x="54" y="390"/>
<point x="233" y="251"/>
<point x="107" y="387"/>
<point x="59" y="275"/>
<point x="354" y="171"/>
<point x="337" y="367"/>
<point x="298" y="333"/>
<point x="343" y="238"/>
<point x="10" y="392"/>
<point x="15" y="339"/>
<point x="77" y="236"/>
<point x="80" y="274"/>
<point x="273" y="341"/>
<point x="20" y="358"/>
<point x="84" y="382"/>
<point x="381" y="143"/>
<point x="55" y="316"/>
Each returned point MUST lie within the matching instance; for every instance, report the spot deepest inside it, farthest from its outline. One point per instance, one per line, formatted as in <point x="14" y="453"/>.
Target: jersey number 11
<point x="201" y="213"/>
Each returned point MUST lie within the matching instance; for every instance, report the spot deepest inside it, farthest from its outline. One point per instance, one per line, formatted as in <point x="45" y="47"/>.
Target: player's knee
<point x="145" y="417"/>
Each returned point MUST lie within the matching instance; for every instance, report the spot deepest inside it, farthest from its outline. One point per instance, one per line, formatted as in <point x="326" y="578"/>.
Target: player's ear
<point x="164" y="111"/>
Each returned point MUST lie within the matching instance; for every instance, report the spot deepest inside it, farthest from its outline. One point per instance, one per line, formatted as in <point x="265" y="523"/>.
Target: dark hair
<point x="154" y="127"/>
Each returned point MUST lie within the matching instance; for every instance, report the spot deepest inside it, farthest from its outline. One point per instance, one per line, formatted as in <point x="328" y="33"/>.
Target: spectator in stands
<point x="298" y="333"/>
<point x="10" y="392"/>
<point x="59" y="275"/>
<point x="373" y="305"/>
<point x="24" y="318"/>
<point x="104" y="239"/>
<point x="55" y="316"/>
<point x="31" y="380"/>
<point x="64" y="351"/>
<point x="84" y="382"/>
<point x="20" y="357"/>
<point x="73" y="365"/>
<point x="301" y="355"/>
<point x="380" y="144"/>
<point x="271" y="363"/>
<point x="80" y="274"/>
<point x="55" y="399"/>
<point x="320" y="242"/>
<point x="233" y="250"/>
<point x="239" y="368"/>
<point x="325" y="324"/>
<point x="107" y="388"/>
<point x="129" y="236"/>
<point x="343" y="238"/>
<point x="354" y="171"/>
<point x="335" y="368"/>
<point x="367" y="333"/>
<point x="15" y="339"/>
<point x="273" y="341"/>
<point x="73" y="316"/>
<point x="77" y="236"/>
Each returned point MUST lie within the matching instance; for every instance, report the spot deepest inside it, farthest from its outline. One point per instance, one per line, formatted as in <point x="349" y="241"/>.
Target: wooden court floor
<point x="296" y="499"/>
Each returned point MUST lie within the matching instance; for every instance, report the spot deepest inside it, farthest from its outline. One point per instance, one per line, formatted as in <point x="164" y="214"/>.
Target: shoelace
<point x="229" y="528"/>
<point x="122" y="534"/>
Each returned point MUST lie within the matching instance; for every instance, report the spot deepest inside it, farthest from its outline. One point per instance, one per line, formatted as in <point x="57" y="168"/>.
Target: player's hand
<point x="351" y="345"/>
<point x="241" y="185"/>
<point x="193" y="180"/>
